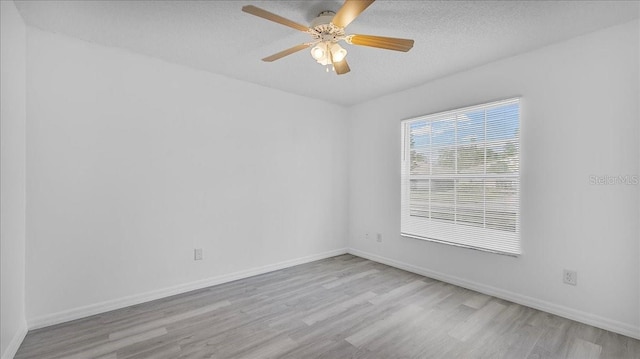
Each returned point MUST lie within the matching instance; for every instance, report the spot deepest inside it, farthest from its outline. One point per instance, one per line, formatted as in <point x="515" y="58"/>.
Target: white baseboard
<point x="15" y="343"/>
<point x="77" y="313"/>
<point x="562" y="311"/>
<point x="97" y="308"/>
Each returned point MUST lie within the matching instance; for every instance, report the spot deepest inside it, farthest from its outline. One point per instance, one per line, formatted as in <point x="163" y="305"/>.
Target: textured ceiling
<point x="216" y="36"/>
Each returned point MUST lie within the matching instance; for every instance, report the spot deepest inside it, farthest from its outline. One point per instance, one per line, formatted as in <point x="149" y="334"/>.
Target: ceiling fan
<point x="327" y="30"/>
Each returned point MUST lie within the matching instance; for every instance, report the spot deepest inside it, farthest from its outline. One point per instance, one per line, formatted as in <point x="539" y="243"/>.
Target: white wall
<point x="579" y="118"/>
<point x="12" y="178"/>
<point x="133" y="162"/>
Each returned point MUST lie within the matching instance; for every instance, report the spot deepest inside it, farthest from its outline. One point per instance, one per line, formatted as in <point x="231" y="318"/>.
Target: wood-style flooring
<point x="341" y="307"/>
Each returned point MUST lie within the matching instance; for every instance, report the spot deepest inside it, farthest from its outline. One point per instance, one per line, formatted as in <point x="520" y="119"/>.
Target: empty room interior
<point x="320" y="179"/>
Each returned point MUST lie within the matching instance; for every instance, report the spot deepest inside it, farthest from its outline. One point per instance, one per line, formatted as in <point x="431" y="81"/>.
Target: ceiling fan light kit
<point x="327" y="30"/>
<point x="326" y="53"/>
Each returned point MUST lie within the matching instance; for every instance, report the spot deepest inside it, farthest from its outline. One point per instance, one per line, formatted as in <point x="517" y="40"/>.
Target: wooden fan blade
<point x="286" y="52"/>
<point x="349" y="11"/>
<point x="388" y="43"/>
<point x="273" y="17"/>
<point x="341" y="67"/>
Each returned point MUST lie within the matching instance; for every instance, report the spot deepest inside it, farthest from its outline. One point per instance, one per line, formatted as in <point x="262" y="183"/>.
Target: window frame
<point x="442" y="231"/>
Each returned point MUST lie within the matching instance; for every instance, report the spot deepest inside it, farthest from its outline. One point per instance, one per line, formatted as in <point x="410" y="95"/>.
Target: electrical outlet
<point x="379" y="237"/>
<point x="570" y="277"/>
<point x="366" y="236"/>
<point x="197" y="254"/>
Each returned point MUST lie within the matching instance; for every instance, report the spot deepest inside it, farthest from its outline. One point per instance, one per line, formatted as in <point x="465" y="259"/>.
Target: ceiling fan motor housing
<point x="323" y="17"/>
<point x="323" y="30"/>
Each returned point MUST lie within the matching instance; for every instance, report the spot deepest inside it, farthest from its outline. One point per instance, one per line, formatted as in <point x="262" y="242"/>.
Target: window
<point x="461" y="177"/>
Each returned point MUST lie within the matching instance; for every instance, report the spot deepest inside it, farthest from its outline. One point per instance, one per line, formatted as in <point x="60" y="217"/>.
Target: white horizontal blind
<point x="461" y="177"/>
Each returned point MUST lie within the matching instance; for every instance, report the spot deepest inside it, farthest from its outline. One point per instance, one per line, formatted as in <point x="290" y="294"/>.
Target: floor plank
<point x="340" y="307"/>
